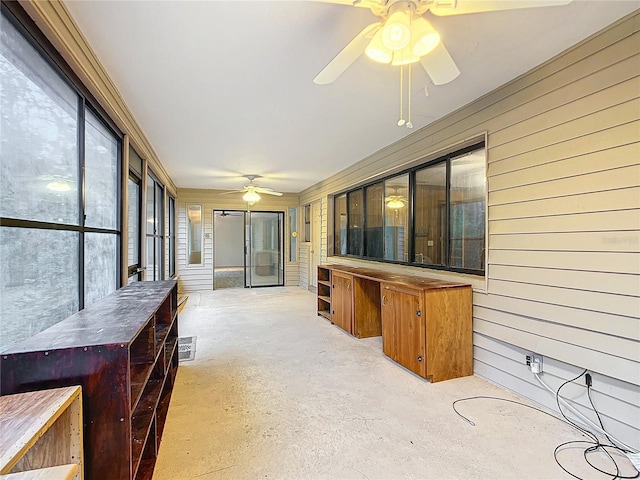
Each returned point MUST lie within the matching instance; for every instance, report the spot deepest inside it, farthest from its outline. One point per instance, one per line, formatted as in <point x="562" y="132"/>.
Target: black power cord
<point x="594" y="444"/>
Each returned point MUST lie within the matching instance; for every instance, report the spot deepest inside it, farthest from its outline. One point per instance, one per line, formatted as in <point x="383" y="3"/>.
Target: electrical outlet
<point x="534" y="362"/>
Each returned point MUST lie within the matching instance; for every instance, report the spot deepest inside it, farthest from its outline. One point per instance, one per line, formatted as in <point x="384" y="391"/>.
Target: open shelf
<point x="127" y="374"/>
<point x="324" y="291"/>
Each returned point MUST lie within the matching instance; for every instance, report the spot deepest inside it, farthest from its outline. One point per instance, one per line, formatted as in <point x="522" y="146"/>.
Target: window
<point x="155" y="235"/>
<point x="59" y="189"/>
<point x="134" y="189"/>
<point x="307" y="223"/>
<point x="396" y="219"/>
<point x="430" y="226"/>
<point x="374" y="234"/>
<point x="340" y="225"/>
<point x="433" y="215"/>
<point x="293" y="234"/>
<point x="194" y="234"/>
<point x="171" y="235"/>
<point x="355" y="221"/>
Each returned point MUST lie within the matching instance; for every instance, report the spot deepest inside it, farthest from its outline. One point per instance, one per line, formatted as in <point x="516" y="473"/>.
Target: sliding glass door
<point x="264" y="249"/>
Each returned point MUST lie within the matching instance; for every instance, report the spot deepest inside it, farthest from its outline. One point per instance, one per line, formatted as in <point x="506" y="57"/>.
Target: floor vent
<point x="186" y="348"/>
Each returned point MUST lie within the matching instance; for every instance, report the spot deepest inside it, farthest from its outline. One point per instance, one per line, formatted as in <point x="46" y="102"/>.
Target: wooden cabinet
<point x="403" y="338"/>
<point x="41" y="435"/>
<point x="342" y="300"/>
<point x="349" y="301"/>
<point x="324" y="292"/>
<point x="123" y="351"/>
<point x="428" y="330"/>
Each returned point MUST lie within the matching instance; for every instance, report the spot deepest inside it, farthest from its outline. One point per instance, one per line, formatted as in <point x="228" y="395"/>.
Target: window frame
<point x="171" y="235"/>
<point x="158" y="232"/>
<point x="188" y="223"/>
<point x="411" y="206"/>
<point x="15" y="15"/>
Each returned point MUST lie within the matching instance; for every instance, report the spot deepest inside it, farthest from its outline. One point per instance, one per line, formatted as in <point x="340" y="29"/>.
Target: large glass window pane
<point x="152" y="268"/>
<point x="396" y="218"/>
<point x="39" y="281"/>
<point x="307" y="223"/>
<point x="430" y="215"/>
<point x="340" y="225"/>
<point x="38" y="134"/>
<point x="171" y="241"/>
<point x="374" y="245"/>
<point x="101" y="175"/>
<point x="151" y="203"/>
<point x="355" y="219"/>
<point x="293" y="234"/>
<point x="194" y="234"/>
<point x="133" y="209"/>
<point x="100" y="266"/>
<point x="468" y="193"/>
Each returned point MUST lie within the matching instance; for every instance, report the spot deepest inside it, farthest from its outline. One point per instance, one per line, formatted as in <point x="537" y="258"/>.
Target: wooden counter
<point x="425" y="323"/>
<point x="41" y="435"/>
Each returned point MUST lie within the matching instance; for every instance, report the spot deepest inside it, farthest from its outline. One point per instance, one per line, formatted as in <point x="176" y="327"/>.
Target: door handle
<point x="348" y="287"/>
<point x="384" y="300"/>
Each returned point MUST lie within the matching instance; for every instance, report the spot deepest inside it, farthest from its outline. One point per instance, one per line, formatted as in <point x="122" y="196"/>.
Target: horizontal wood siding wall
<point x="563" y="264"/>
<point x="193" y="278"/>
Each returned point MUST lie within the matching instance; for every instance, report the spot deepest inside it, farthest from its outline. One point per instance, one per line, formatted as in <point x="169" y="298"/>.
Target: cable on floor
<point x="593" y="444"/>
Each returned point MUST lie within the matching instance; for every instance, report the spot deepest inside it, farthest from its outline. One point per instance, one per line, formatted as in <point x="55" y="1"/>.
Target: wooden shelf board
<point x="25" y="417"/>
<point x="324" y="298"/>
<point x="325" y="314"/>
<point x="59" y="472"/>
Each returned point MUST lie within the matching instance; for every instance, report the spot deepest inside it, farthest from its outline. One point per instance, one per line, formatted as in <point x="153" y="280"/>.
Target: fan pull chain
<point x="401" y="121"/>
<point x="409" y="124"/>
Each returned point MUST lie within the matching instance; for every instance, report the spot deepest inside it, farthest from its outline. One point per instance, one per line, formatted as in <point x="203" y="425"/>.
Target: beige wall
<point x="193" y="278"/>
<point x="563" y="269"/>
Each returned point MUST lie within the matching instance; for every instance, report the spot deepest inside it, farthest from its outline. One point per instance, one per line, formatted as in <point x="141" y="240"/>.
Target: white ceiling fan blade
<point x="354" y="3"/>
<point x="445" y="8"/>
<point x="232" y="191"/>
<point x="440" y="66"/>
<point x="347" y="56"/>
<point x="268" y="191"/>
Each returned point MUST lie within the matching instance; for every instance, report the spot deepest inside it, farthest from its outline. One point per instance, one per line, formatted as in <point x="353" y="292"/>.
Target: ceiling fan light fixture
<point x="251" y="197"/>
<point x="424" y="37"/>
<point x="404" y="57"/>
<point x="376" y="50"/>
<point x="396" y="32"/>
<point x="395" y="203"/>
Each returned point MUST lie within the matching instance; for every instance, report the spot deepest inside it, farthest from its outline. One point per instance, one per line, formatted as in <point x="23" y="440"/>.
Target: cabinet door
<point x="402" y="314"/>
<point x="341" y="301"/>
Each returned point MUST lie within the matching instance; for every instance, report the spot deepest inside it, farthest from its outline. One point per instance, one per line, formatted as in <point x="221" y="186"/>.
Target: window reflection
<point x="374" y="244"/>
<point x="430" y="214"/>
<point x="38" y="134"/>
<point x="467" y="221"/>
<point x="340" y="225"/>
<point x="396" y="218"/>
<point x="101" y="175"/>
<point x="355" y="218"/>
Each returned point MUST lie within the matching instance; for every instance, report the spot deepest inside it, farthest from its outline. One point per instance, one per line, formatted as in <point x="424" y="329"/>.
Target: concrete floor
<point x="276" y="392"/>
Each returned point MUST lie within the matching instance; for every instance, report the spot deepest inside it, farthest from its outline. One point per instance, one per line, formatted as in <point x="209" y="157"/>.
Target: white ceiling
<point x="224" y="88"/>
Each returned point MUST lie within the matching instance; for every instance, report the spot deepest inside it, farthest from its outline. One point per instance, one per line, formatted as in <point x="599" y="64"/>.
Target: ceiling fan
<point x="252" y="190"/>
<point x="404" y="35"/>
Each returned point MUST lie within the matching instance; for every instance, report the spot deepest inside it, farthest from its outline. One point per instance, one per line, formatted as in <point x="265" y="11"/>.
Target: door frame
<point x="247" y="247"/>
<point x="315" y="247"/>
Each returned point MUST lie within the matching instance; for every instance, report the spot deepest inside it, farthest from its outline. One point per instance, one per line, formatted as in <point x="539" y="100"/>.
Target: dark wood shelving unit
<point x="123" y="351"/>
<point x="324" y="291"/>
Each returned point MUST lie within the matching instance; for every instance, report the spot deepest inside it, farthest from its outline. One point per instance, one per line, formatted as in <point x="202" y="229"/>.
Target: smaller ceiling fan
<point x="252" y="190"/>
